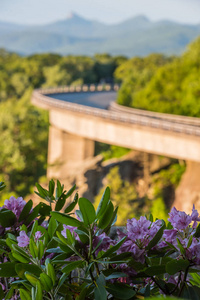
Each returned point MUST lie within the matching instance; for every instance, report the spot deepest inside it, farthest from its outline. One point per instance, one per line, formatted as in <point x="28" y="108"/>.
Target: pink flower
<point x="23" y="239"/>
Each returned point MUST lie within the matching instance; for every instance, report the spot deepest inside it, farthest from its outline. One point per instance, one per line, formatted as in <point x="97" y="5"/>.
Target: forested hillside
<point x="158" y="83"/>
<point x="24" y="128"/>
<point x="155" y="82"/>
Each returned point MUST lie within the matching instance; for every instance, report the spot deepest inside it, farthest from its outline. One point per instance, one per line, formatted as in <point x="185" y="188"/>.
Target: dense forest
<point x="155" y="82"/>
<point x="163" y="84"/>
<point x="24" y="128"/>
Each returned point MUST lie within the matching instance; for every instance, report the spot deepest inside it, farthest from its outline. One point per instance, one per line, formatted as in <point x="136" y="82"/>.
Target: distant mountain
<point x="78" y="36"/>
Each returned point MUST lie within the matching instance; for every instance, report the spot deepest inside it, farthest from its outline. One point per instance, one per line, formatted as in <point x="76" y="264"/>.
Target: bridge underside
<point x="75" y="135"/>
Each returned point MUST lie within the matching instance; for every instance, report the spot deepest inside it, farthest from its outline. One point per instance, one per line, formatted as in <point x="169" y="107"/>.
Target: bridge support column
<point x="66" y="151"/>
<point x="188" y="191"/>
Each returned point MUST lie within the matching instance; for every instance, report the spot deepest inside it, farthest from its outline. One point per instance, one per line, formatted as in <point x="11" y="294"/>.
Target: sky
<point x="106" y="11"/>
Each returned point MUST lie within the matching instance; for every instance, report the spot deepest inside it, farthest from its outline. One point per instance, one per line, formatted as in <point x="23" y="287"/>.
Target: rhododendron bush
<point x="51" y="252"/>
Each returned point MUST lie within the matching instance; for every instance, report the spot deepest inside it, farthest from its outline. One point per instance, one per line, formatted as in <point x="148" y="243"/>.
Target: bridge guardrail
<point x="178" y="124"/>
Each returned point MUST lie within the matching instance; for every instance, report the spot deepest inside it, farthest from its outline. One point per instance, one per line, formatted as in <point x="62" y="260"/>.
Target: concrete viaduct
<point x="79" y="116"/>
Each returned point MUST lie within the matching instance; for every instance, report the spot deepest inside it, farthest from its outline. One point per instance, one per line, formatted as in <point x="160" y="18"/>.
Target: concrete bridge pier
<point x="188" y="191"/>
<point x="66" y="151"/>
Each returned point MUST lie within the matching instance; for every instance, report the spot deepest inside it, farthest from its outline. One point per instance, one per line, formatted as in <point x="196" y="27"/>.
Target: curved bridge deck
<point x="91" y="113"/>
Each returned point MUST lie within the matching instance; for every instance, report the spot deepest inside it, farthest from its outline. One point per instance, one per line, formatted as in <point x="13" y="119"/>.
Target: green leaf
<point x="60" y="202"/>
<point x="7" y="269"/>
<point x="44" y="209"/>
<point x="116" y="275"/>
<point x="1" y="293"/>
<point x="175" y="266"/>
<point x="26" y="210"/>
<point x="52" y="227"/>
<point x="41" y="248"/>
<point x="34" y="228"/>
<point x="65" y="219"/>
<point x="100" y="291"/>
<point x="38" y="291"/>
<point x="106" y="217"/>
<point x="31" y="278"/>
<point x="114" y="248"/>
<point x="46" y="282"/>
<point x="154" y="241"/>
<point x="59" y="189"/>
<point x="2" y="186"/>
<point x="7" y="218"/>
<point x="155" y="270"/>
<point x="87" y="210"/>
<point x="51" y="187"/>
<point x="22" y="268"/>
<point x="197" y="232"/>
<point x="42" y="192"/>
<point x="72" y="265"/>
<point x="51" y="272"/>
<point x="120" y="291"/>
<point x="33" y="248"/>
<point x="191" y="292"/>
<point x="21" y="251"/>
<point x="69" y="193"/>
<point x="33" y="215"/>
<point x="103" y="203"/>
<point x="112" y="221"/>
<point x="24" y="295"/>
<point x="72" y="205"/>
<point x="70" y="237"/>
<point x="182" y="250"/>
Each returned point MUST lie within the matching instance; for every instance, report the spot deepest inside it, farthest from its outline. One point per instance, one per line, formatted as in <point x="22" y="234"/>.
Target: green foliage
<point x="158" y="209"/>
<point x="70" y="259"/>
<point x="168" y="86"/>
<point x="121" y="192"/>
<point x="23" y="136"/>
<point x="24" y="128"/>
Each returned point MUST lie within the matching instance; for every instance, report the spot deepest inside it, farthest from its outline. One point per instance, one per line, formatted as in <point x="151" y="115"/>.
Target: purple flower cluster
<point x="23" y="239"/>
<point x="139" y="233"/>
<point x="103" y="241"/>
<point x="184" y="227"/>
<point x="15" y="205"/>
<point x="180" y="220"/>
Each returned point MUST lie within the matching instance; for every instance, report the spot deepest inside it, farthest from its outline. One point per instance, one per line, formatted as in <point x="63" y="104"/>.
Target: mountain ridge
<point x="79" y="36"/>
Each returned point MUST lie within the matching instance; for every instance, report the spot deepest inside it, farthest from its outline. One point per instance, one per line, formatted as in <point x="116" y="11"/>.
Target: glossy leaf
<point x="7" y="269"/>
<point x="26" y="210"/>
<point x="103" y="203"/>
<point x="31" y="278"/>
<point x="72" y="265"/>
<point x="100" y="291"/>
<point x="87" y="210"/>
<point x="120" y="291"/>
<point x="51" y="272"/>
<point x="46" y="282"/>
<point x="175" y="266"/>
<point x="24" y="295"/>
<point x="106" y="217"/>
<point x="72" y="205"/>
<point x="22" y="268"/>
<point x="113" y="249"/>
<point x="7" y="218"/>
<point x="65" y="219"/>
<point x="155" y="270"/>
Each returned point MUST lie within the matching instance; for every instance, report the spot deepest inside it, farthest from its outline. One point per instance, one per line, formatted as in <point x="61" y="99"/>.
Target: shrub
<point x="49" y="254"/>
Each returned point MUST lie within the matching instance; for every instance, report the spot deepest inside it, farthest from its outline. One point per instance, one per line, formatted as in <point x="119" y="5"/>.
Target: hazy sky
<point x="107" y="11"/>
